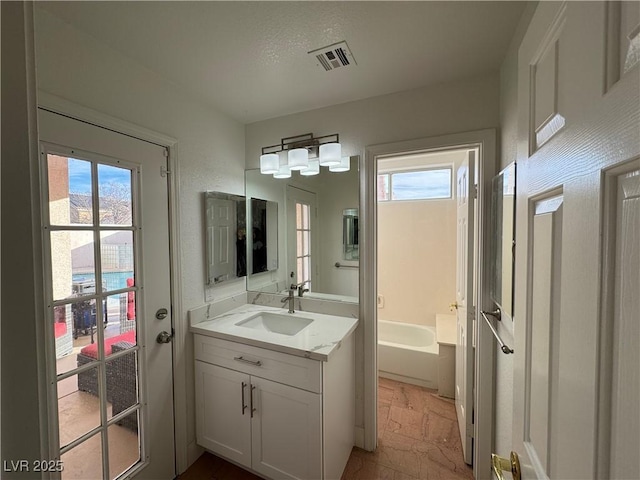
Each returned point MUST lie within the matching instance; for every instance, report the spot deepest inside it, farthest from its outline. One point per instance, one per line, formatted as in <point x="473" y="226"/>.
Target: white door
<point x="223" y="406"/>
<point x="221" y="230"/>
<point x="302" y="258"/>
<point x="577" y="288"/>
<point x="465" y="186"/>
<point x="106" y="237"/>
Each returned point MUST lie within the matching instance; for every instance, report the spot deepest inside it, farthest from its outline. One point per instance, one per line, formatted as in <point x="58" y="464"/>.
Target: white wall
<point x="508" y="139"/>
<point x="73" y="65"/>
<point x="471" y="104"/>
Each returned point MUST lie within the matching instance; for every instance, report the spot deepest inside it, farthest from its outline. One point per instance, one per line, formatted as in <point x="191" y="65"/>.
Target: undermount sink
<point x="276" y="323"/>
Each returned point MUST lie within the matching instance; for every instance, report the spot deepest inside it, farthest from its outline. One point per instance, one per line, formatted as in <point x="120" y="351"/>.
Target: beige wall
<point x="74" y="66"/>
<point x="416" y="259"/>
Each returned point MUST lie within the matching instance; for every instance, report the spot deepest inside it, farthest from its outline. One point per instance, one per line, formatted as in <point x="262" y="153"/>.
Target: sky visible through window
<point x="417" y="185"/>
<point x="80" y="176"/>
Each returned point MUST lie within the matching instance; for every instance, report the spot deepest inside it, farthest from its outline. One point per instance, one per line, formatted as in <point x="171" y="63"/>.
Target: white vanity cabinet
<point x="282" y="416"/>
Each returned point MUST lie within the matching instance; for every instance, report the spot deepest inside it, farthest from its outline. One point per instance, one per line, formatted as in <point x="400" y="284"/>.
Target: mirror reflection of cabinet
<point x="264" y="235"/>
<point x="225" y="237"/>
<point x="503" y="234"/>
<point x="350" y="234"/>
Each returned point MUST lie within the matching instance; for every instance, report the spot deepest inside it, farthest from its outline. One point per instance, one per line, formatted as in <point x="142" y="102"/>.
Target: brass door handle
<point x="453" y="306"/>
<point x="511" y="464"/>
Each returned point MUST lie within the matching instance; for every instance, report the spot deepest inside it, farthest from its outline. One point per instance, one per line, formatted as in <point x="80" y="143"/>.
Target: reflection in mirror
<point x="503" y="244"/>
<point x="333" y="193"/>
<point x="350" y="234"/>
<point x="225" y="237"/>
<point x="263" y="243"/>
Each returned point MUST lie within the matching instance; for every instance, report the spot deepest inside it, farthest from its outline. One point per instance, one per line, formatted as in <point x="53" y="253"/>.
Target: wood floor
<point x="417" y="439"/>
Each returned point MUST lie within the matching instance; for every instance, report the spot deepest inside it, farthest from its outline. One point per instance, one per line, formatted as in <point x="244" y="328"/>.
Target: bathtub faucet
<point x="301" y="288"/>
<point x="290" y="298"/>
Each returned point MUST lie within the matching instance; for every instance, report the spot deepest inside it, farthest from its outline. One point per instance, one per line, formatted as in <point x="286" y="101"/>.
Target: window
<point x="303" y="243"/>
<point x="415" y="185"/>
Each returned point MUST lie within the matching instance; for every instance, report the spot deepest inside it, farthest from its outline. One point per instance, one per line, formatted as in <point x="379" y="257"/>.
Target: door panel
<point x="583" y="130"/>
<point x="465" y="185"/>
<point x="118" y="231"/>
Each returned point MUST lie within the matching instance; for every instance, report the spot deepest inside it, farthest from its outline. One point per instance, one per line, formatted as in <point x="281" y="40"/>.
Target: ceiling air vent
<point x="333" y="56"/>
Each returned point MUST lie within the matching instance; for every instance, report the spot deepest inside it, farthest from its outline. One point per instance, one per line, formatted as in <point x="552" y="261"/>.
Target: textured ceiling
<point x="249" y="59"/>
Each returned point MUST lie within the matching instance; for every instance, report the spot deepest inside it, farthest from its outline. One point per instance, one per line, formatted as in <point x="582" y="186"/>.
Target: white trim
<point x="484" y="357"/>
<point x="65" y="107"/>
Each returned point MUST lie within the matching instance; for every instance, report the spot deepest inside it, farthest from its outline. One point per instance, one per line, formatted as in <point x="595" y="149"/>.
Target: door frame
<point x="485" y="141"/>
<point x="64" y="107"/>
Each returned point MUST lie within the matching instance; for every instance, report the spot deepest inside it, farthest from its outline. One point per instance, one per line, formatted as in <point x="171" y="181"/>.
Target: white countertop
<point x="317" y="340"/>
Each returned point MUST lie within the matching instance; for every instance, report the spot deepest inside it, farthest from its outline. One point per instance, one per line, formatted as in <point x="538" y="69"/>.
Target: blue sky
<point x="80" y="175"/>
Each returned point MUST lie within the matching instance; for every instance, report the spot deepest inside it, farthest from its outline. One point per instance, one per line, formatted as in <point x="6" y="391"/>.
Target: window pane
<point x="122" y="378"/>
<point x="298" y="215"/>
<point x="305" y="216"/>
<point x="383" y="187"/>
<point x="299" y="242"/>
<point x="114" y="191"/>
<point x="307" y="269"/>
<point x="120" y="325"/>
<point x="72" y="264"/>
<point x="84" y="461"/>
<point x="124" y="445"/>
<point x="300" y="271"/>
<point x="306" y="242"/>
<point x="70" y="201"/>
<point x="116" y="251"/>
<point x="78" y="405"/>
<point x="421" y="185"/>
<point x="63" y="335"/>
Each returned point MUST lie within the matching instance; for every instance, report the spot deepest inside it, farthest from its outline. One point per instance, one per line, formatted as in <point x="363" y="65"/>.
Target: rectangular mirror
<point x="225" y="237"/>
<point x="310" y="240"/>
<point x="350" y="234"/>
<point x="263" y="244"/>
<point x="503" y="238"/>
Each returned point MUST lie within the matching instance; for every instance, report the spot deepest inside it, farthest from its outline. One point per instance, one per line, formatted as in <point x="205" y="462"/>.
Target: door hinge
<point x="475" y="191"/>
<point x="166" y="153"/>
<point x="164" y="171"/>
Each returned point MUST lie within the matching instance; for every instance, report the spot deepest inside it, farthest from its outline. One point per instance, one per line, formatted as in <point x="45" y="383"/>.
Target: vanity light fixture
<point x="312" y="169"/>
<point x="284" y="171"/>
<point x="343" y="166"/>
<point x="302" y="152"/>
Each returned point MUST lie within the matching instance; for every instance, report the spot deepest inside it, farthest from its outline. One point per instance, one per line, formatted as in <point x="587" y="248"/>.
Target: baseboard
<point x="359" y="437"/>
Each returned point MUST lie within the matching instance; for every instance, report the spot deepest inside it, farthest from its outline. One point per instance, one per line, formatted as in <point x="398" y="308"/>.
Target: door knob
<point x="164" y="337"/>
<point x="453" y="306"/>
<point x="511" y="465"/>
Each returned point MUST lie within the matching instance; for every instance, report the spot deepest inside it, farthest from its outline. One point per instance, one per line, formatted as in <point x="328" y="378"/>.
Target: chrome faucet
<point x="301" y="288"/>
<point x="291" y="298"/>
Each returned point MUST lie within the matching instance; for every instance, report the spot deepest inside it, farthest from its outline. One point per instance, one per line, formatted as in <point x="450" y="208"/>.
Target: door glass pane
<point x="63" y="338"/>
<point x="114" y="192"/>
<point x="124" y="444"/>
<point x="78" y="405"/>
<point x="70" y="201"/>
<point x="116" y="252"/>
<point x="121" y="320"/>
<point x="306" y="243"/>
<point x="122" y="378"/>
<point x="298" y="215"/>
<point x="305" y="217"/>
<point x="72" y="263"/>
<point x="299" y="243"/>
<point x="84" y="462"/>
<point x="300" y="271"/>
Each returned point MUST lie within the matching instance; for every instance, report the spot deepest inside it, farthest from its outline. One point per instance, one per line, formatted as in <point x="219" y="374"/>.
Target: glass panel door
<point x="92" y="247"/>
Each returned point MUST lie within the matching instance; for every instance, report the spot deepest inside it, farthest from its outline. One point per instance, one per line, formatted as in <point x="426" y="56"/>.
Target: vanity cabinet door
<point x="286" y="431"/>
<point x="222" y="424"/>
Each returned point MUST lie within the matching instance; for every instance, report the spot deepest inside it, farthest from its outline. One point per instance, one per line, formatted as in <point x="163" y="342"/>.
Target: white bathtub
<point x="408" y="353"/>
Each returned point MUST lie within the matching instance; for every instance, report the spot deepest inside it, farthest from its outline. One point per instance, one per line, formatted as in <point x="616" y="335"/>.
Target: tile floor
<point x="417" y="439"/>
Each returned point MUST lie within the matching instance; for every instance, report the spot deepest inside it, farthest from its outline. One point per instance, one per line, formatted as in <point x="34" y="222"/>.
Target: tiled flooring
<point x="417" y="439"/>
